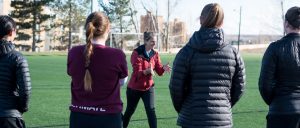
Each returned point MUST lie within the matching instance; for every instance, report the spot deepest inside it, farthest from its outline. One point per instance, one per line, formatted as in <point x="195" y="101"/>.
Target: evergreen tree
<point x="70" y="16"/>
<point x="29" y="15"/>
<point x="117" y="11"/>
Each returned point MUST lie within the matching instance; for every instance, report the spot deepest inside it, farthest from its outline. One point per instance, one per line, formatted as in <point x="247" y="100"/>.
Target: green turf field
<point x="51" y="96"/>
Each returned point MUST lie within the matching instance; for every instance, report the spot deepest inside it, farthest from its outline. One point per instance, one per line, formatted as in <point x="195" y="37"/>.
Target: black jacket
<point x="15" y="83"/>
<point x="208" y="78"/>
<point x="279" y="81"/>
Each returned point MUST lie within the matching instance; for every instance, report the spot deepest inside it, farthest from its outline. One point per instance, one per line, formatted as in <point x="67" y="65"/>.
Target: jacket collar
<point x="142" y="52"/>
<point x="292" y="34"/>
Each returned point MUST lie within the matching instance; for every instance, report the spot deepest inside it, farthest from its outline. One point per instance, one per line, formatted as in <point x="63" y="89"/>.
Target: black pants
<point x="12" y="123"/>
<point x="133" y="97"/>
<point x="82" y="120"/>
<point x="283" y="121"/>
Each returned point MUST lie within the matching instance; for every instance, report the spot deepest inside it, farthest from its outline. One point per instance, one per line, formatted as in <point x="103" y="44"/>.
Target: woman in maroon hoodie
<point x="96" y="71"/>
<point x="144" y="61"/>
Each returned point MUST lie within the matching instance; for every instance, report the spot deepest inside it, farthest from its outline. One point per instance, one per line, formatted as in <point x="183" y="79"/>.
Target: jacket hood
<point x="5" y="47"/>
<point x="207" y="40"/>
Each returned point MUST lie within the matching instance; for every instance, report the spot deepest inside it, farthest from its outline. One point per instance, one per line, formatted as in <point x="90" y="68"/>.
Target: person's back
<point x="15" y="85"/>
<point x="97" y="74"/>
<point x="207" y="79"/>
<point x="287" y="87"/>
<point x="287" y="56"/>
<point x="106" y="66"/>
<point x="279" y="82"/>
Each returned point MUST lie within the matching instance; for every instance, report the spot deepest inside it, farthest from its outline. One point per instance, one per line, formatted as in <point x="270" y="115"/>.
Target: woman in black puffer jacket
<point x="208" y="76"/>
<point x="279" y="82"/>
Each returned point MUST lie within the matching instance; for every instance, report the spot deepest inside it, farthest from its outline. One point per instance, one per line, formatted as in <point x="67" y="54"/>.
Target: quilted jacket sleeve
<point x="158" y="66"/>
<point x="178" y="79"/>
<point x="238" y="80"/>
<point x="23" y="83"/>
<point x="267" y="75"/>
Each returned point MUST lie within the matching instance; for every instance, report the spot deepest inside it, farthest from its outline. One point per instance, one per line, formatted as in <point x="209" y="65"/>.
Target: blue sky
<point x="258" y="16"/>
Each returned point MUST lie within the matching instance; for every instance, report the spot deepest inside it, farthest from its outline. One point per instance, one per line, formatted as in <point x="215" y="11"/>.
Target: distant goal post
<point x="129" y="41"/>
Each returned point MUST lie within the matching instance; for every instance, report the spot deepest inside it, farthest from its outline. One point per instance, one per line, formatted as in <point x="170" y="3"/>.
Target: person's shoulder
<point x="9" y="50"/>
<point x="275" y="44"/>
<point x="229" y="47"/>
<point x="16" y="56"/>
<point x="115" y="50"/>
<point x="76" y="49"/>
<point x="279" y="42"/>
<point x="17" y="53"/>
<point x="185" y="50"/>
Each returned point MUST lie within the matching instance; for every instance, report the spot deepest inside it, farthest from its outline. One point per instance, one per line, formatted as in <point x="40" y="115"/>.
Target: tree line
<point x="68" y="16"/>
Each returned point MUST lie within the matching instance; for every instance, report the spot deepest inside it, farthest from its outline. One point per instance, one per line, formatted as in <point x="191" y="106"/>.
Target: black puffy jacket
<point x="208" y="78"/>
<point x="279" y="82"/>
<point x="15" y="83"/>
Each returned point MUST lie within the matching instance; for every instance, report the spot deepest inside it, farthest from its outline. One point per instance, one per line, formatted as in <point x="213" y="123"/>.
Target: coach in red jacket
<point x="144" y="62"/>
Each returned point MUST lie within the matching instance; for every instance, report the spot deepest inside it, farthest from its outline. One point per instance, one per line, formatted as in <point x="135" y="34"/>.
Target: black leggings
<point x="12" y="122"/>
<point x="133" y="97"/>
<point x="83" y="120"/>
<point x="283" y="121"/>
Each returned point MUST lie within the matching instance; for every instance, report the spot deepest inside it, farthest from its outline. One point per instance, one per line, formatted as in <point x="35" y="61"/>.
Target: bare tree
<point x="70" y="17"/>
<point x="132" y="13"/>
<point x="149" y="8"/>
<point x="151" y="21"/>
<point x="171" y="6"/>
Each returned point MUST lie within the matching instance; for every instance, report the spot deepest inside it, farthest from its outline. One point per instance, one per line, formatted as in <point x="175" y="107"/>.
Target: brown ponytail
<point x="96" y="26"/>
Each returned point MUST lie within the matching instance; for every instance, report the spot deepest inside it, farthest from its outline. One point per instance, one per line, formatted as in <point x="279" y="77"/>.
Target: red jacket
<point x="140" y="61"/>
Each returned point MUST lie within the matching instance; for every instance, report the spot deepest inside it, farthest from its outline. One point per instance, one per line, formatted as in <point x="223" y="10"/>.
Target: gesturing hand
<point x="167" y="68"/>
<point x="149" y="70"/>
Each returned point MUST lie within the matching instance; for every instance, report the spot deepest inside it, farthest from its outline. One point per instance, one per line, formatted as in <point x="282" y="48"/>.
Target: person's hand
<point x="167" y="68"/>
<point x="149" y="71"/>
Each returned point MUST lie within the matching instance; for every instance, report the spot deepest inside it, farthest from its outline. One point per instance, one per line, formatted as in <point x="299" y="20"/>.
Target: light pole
<point x="70" y="26"/>
<point x="33" y="48"/>
<point x="92" y="3"/>
<point x="240" y="22"/>
<point x="282" y="17"/>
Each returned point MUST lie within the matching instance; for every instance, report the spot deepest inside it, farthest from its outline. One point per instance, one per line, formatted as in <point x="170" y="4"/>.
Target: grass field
<point x="51" y="96"/>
